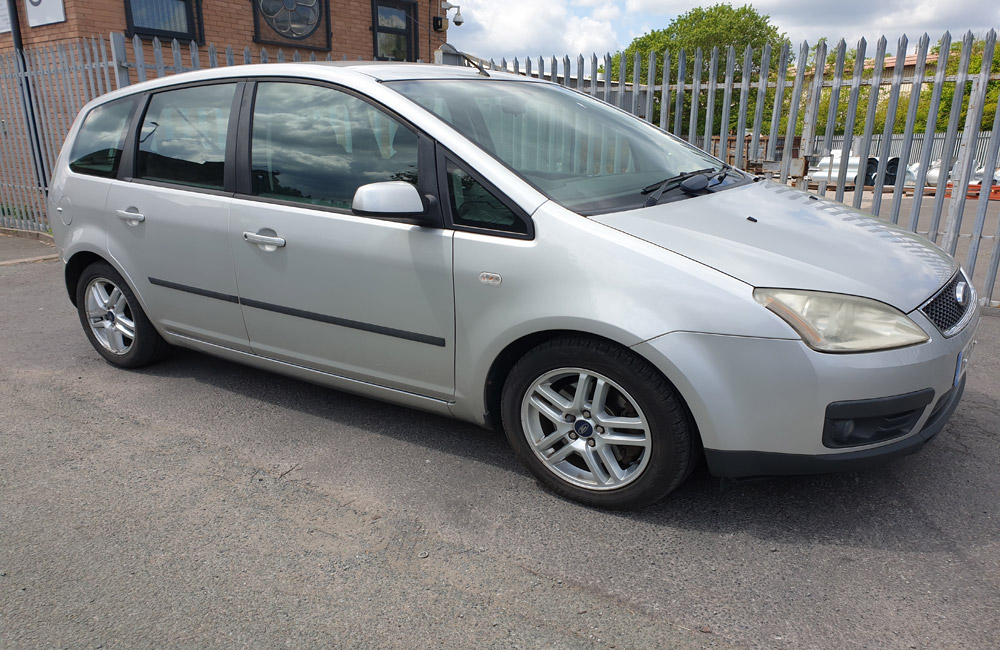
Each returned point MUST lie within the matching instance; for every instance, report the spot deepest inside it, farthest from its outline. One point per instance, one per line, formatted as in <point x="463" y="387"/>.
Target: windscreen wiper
<point x="659" y="188"/>
<point x="448" y="48"/>
<point x="721" y="176"/>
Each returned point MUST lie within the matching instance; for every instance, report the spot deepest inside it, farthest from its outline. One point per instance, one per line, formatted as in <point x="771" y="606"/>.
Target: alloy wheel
<point x="586" y="428"/>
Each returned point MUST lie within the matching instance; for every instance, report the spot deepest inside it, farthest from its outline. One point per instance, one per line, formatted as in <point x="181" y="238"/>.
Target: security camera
<point x="457" y="18"/>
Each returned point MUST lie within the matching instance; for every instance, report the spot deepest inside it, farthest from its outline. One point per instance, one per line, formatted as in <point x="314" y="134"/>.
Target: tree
<point x="924" y="99"/>
<point x="948" y="90"/>
<point x="720" y="25"/>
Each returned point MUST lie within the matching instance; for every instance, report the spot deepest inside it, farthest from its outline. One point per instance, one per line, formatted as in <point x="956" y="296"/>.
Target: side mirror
<point x="390" y="199"/>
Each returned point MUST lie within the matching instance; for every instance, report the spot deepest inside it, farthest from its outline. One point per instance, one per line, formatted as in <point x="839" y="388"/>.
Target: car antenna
<point x="448" y="48"/>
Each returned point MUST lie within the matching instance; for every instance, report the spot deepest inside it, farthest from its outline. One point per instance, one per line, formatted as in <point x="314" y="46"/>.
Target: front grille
<point x="943" y="309"/>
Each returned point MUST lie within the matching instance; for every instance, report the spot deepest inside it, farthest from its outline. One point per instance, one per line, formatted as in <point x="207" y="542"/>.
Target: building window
<point x="292" y="19"/>
<point x="302" y="24"/>
<point x="394" y="28"/>
<point x="180" y="19"/>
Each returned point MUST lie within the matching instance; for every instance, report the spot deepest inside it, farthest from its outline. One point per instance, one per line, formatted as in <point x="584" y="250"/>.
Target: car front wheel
<point x="597" y="423"/>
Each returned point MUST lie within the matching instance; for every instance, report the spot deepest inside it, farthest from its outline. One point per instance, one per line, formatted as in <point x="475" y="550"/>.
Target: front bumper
<point x="762" y="405"/>
<point x="745" y="464"/>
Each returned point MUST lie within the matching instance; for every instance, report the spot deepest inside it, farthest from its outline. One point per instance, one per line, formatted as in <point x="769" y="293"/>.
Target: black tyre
<point x="597" y="423"/>
<point x="891" y="169"/>
<point x="871" y="171"/>
<point x="113" y="320"/>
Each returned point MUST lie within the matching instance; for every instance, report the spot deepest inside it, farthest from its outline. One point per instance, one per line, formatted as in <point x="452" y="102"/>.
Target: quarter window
<point x="392" y="26"/>
<point x="317" y="145"/>
<point x="474" y="205"/>
<point x="164" y="18"/>
<point x="183" y="136"/>
<point x="97" y="150"/>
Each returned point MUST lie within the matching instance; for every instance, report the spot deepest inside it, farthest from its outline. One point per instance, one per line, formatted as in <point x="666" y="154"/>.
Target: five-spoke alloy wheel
<point x="113" y="320"/>
<point x="109" y="316"/>
<point x="597" y="423"/>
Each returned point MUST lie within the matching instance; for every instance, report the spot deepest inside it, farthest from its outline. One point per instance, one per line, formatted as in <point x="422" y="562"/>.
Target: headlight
<point x="832" y="322"/>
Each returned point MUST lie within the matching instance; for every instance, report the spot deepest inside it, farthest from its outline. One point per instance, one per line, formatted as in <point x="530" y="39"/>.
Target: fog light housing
<point x="866" y="422"/>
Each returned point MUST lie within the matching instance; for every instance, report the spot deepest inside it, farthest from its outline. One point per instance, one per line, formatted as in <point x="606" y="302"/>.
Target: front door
<point x="360" y="297"/>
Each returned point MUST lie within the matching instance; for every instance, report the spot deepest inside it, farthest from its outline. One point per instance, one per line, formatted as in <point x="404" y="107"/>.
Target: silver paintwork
<point x="185" y="238"/>
<point x="673" y="282"/>
<point x="791" y="243"/>
<point x="391" y="198"/>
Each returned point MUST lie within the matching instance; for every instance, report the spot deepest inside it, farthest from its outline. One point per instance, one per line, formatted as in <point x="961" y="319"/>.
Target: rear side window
<point x="317" y="145"/>
<point x="97" y="150"/>
<point x="183" y="136"/>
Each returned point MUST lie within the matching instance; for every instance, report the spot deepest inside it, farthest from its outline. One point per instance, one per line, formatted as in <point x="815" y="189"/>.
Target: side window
<point x="318" y="145"/>
<point x="97" y="150"/>
<point x="183" y="136"/>
<point x="474" y="205"/>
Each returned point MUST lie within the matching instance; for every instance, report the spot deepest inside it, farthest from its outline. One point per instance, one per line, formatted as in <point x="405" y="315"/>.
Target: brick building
<point x="382" y="29"/>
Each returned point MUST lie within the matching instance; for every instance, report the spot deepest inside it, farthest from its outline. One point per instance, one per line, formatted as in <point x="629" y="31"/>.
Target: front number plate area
<point x="964" y="357"/>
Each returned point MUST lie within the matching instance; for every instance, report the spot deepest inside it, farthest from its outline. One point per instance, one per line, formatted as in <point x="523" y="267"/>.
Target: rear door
<point x="360" y="297"/>
<point x="168" y="226"/>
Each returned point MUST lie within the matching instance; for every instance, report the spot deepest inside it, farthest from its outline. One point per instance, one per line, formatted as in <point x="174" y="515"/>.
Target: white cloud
<point x="530" y="28"/>
<point x="606" y="12"/>
<point x="661" y="7"/>
<point x="587" y="35"/>
<point x="851" y="19"/>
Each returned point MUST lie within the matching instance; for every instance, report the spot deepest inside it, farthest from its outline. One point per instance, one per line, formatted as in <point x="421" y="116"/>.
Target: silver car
<point x="512" y="253"/>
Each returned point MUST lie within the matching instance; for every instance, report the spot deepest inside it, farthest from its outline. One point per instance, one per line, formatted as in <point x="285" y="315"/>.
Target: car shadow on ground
<point x="883" y="507"/>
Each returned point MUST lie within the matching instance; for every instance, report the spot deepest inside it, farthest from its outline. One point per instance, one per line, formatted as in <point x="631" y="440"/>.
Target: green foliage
<point x="923" y="107"/>
<point x="948" y="90"/>
<point x="7" y="210"/>
<point x="721" y="25"/>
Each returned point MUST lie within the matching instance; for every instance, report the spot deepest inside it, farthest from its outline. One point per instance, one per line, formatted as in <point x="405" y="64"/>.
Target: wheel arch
<point x="505" y="360"/>
<point x="75" y="267"/>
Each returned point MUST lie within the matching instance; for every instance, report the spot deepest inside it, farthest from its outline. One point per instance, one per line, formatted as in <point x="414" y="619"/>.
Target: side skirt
<point x="338" y="382"/>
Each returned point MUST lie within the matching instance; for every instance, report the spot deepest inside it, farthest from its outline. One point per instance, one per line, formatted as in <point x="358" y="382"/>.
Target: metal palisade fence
<point x="902" y="137"/>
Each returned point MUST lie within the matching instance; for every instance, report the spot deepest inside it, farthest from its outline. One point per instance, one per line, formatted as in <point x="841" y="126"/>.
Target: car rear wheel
<point x="113" y="320"/>
<point x="597" y="423"/>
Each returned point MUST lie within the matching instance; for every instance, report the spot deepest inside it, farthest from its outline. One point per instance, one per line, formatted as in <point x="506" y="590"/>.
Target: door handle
<point x="131" y="218"/>
<point x="266" y="242"/>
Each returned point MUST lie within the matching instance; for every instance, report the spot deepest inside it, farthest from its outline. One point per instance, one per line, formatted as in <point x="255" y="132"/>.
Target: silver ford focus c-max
<point x="512" y="253"/>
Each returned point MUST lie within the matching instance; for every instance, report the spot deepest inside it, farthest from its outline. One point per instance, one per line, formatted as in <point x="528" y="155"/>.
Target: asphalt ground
<point x="13" y="249"/>
<point x="200" y="504"/>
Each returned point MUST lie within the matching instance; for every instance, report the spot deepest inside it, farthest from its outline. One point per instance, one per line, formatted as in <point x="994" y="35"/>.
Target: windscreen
<point x="578" y="151"/>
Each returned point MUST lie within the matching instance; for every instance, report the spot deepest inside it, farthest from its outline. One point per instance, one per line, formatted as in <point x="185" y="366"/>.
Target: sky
<point x="509" y="28"/>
